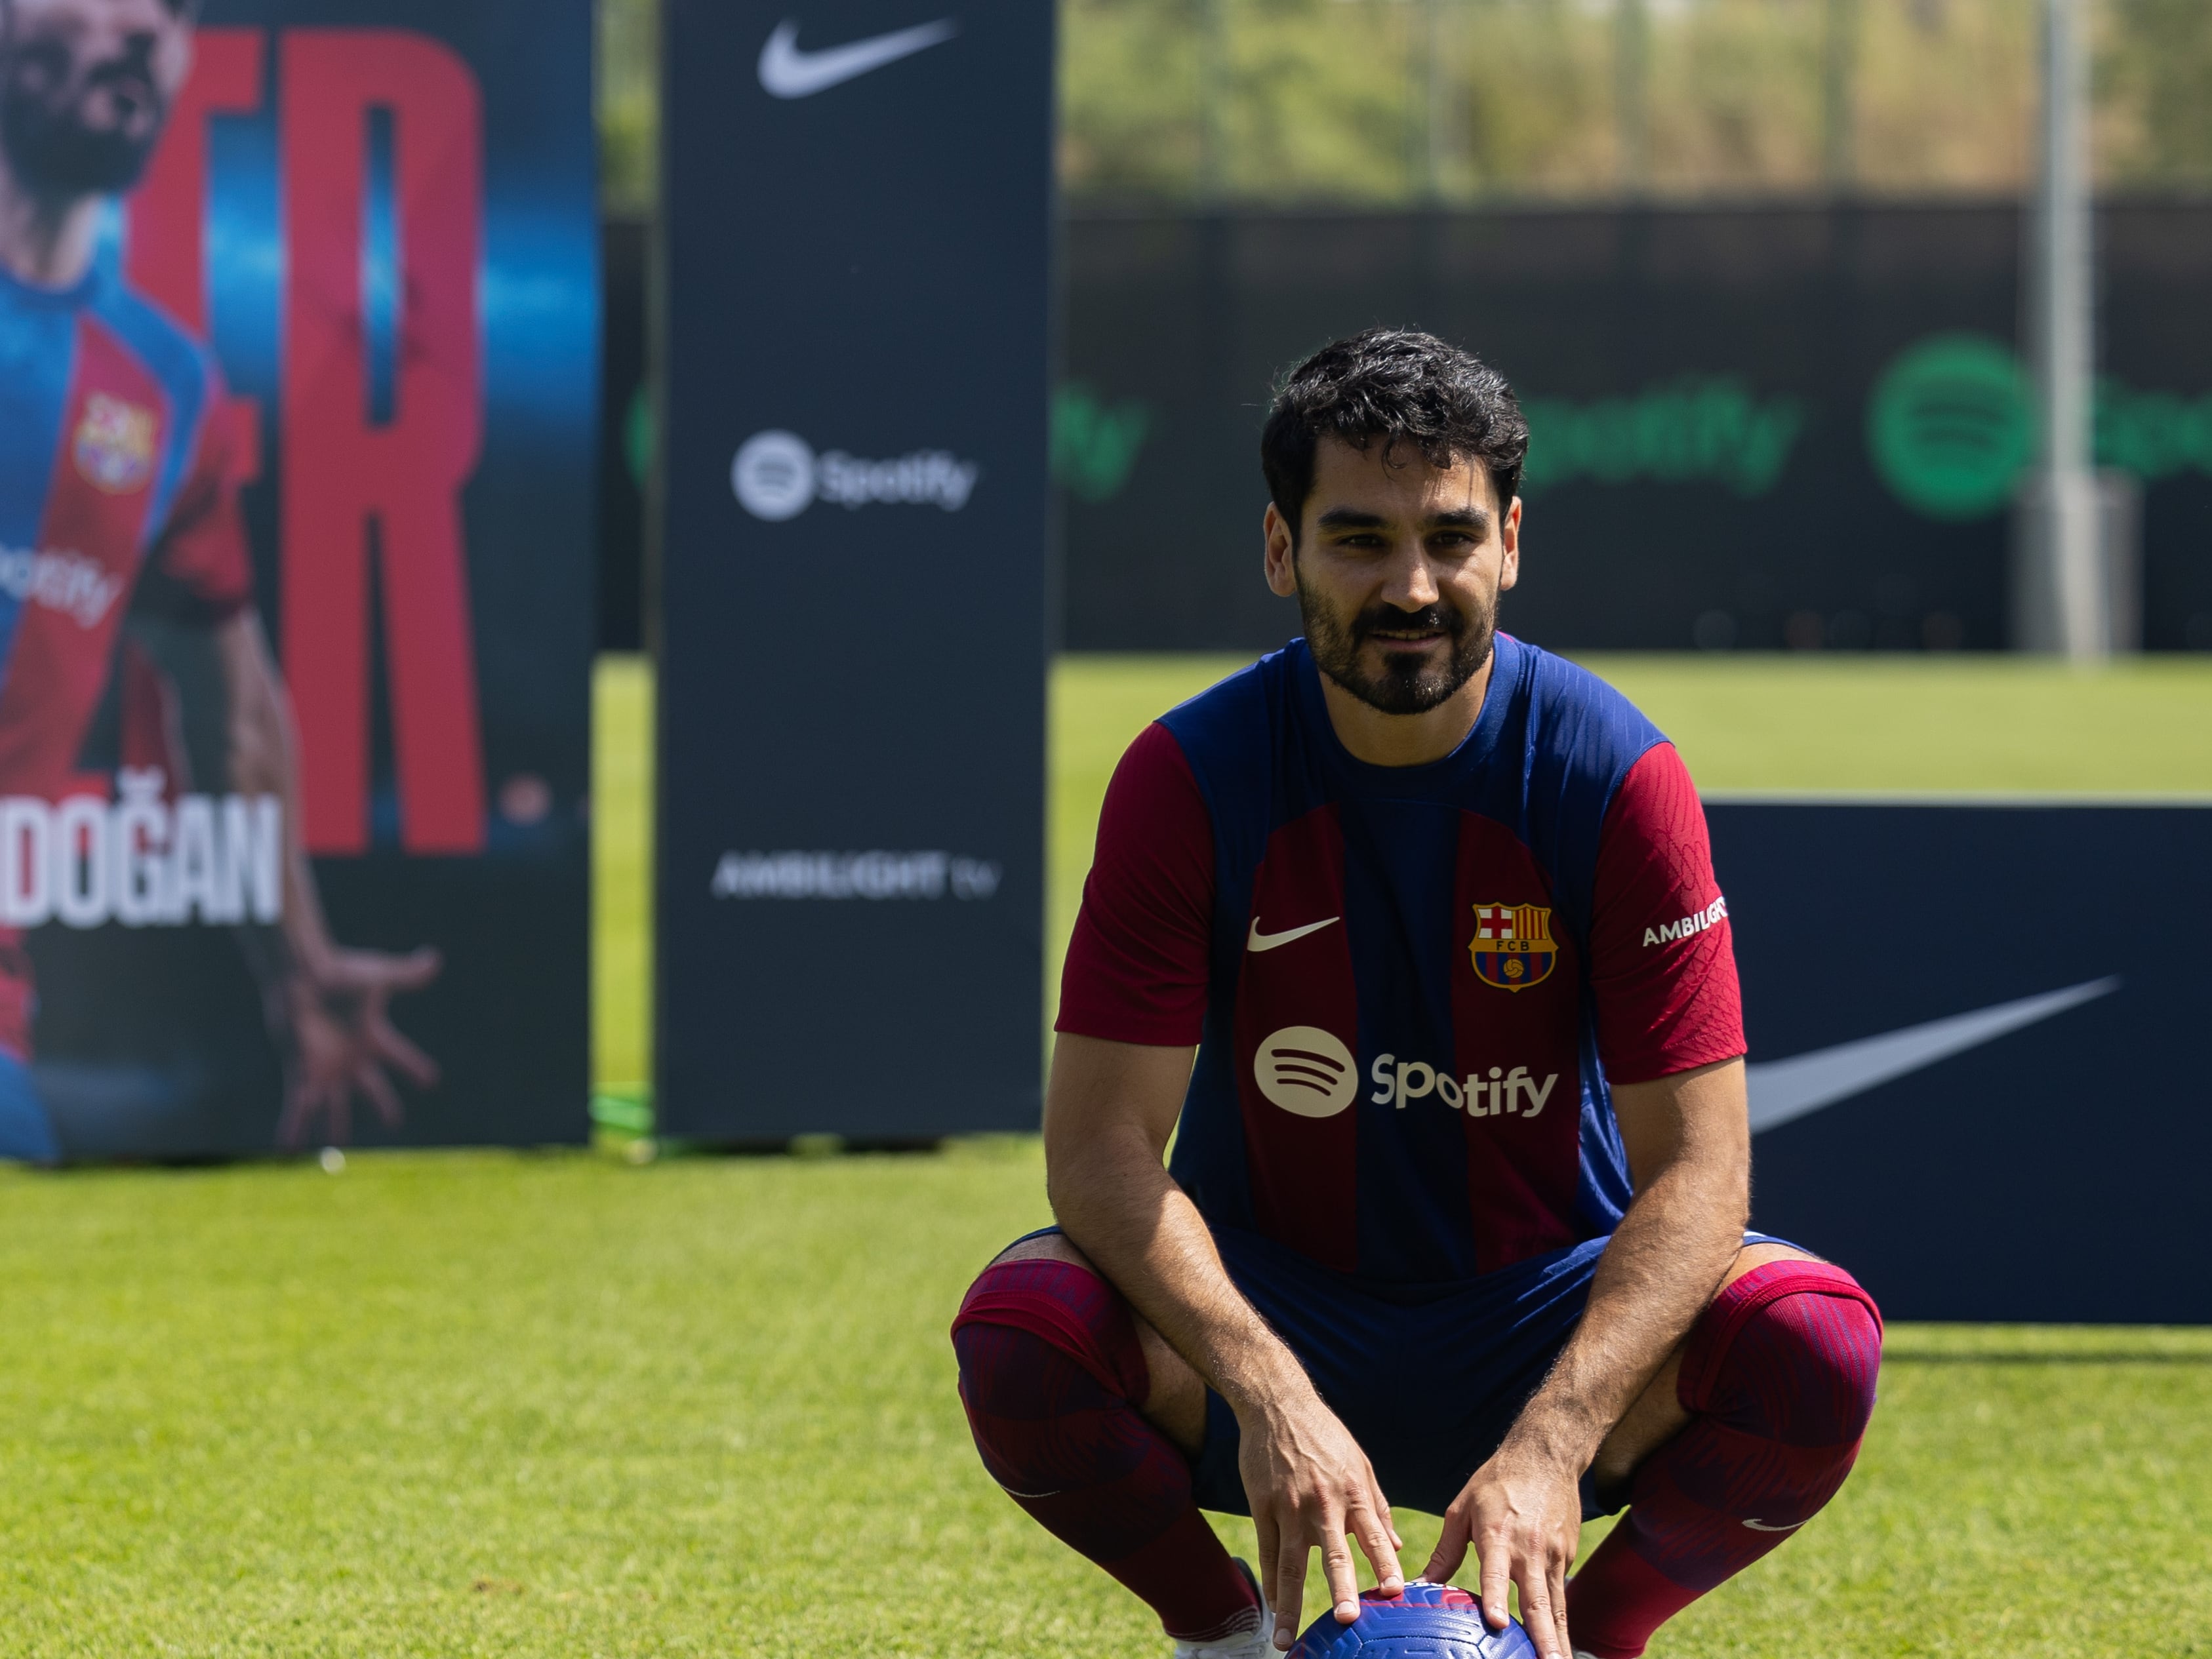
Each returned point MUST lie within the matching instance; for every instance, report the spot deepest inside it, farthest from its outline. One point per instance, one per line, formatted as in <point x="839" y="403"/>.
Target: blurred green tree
<point x="1385" y="102"/>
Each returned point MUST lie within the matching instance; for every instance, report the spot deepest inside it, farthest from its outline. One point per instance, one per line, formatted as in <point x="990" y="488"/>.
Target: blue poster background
<point x="156" y="1043"/>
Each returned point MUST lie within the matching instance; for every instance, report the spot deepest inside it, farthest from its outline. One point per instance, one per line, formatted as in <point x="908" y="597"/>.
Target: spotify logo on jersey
<point x="1305" y="1071"/>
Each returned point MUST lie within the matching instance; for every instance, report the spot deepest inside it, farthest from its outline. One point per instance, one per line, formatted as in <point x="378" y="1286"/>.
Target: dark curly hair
<point x="1401" y="386"/>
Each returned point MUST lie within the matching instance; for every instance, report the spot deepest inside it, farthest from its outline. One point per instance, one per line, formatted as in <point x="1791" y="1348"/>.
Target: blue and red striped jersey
<point x="1408" y="985"/>
<point x="115" y="479"/>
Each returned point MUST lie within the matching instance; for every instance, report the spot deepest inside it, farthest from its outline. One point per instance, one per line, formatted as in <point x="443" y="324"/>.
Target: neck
<point x="1382" y="739"/>
<point x="47" y="241"/>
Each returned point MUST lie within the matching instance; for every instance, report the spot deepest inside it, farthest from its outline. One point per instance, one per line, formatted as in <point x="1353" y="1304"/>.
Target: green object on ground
<point x="622" y="882"/>
<point x="461" y="1404"/>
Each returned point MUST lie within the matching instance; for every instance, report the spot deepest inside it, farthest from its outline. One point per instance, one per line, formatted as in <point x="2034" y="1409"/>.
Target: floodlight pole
<point x="1431" y="150"/>
<point x="1631" y="93"/>
<point x="1213" y="96"/>
<point x="2066" y="608"/>
<point x="1838" y="89"/>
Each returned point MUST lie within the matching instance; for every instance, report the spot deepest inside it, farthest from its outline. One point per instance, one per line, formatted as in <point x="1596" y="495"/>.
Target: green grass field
<point x="564" y="1405"/>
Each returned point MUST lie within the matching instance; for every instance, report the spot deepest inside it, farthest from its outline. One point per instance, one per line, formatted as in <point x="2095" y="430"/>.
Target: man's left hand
<point x="343" y="1043"/>
<point x="1523" y="1513"/>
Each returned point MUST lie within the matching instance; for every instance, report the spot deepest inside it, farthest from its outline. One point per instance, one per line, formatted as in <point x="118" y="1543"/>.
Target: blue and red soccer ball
<point x="1429" y="1621"/>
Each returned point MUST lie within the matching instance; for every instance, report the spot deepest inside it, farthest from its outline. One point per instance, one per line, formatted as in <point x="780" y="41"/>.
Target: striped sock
<point x="1052" y="1376"/>
<point x="1778" y="1376"/>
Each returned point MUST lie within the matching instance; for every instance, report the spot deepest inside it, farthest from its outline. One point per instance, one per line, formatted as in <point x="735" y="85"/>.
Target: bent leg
<point x="1774" y="1387"/>
<point x="1059" y="1379"/>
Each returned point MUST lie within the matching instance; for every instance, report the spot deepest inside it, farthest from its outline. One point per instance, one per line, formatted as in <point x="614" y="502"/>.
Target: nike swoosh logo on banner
<point x="788" y="72"/>
<point x="1782" y="1090"/>
<point x="1260" y="941"/>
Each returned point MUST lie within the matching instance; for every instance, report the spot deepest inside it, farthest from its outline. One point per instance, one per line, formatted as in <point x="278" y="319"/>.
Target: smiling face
<point x="85" y="87"/>
<point x="1397" y="566"/>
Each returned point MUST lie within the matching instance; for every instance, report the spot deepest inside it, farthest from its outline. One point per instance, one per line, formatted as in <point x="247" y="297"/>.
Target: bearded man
<point x="1408" y="936"/>
<point x="119" y="499"/>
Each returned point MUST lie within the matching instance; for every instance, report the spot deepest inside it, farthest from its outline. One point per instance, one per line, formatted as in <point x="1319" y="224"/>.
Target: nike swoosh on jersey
<point x="1260" y="941"/>
<point x="1761" y="1526"/>
<point x="1782" y="1090"/>
<point x="788" y="72"/>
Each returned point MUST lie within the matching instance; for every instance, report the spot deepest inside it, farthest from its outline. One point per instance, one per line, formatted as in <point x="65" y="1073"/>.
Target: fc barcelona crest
<point x="1512" y="947"/>
<point x="114" y="444"/>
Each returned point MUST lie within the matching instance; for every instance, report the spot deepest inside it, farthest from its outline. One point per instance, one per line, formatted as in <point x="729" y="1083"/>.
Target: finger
<point x="1450" y="1550"/>
<point x="1536" y="1609"/>
<point x="1343" y="1582"/>
<point x="1497" y="1574"/>
<point x="385" y="1038"/>
<point x="1264" y="1528"/>
<point x="1379" y="1543"/>
<point x="372" y="1082"/>
<point x="378" y="971"/>
<point x="1559" y="1607"/>
<point x="1382" y="1509"/>
<point x="1291" y="1588"/>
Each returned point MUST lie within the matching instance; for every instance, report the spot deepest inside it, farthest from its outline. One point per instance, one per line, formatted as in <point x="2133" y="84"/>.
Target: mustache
<point x="1441" y="618"/>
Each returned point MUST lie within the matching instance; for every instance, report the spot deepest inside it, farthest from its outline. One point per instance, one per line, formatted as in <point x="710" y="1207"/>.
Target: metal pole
<point x="1436" y="133"/>
<point x="2068" y="607"/>
<point x="1839" y="89"/>
<point x="1631" y="92"/>
<point x="1212" y="100"/>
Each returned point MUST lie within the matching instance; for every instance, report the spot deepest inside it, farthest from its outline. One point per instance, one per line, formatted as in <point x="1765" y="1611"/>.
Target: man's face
<point x="85" y="86"/>
<point x="1397" y="570"/>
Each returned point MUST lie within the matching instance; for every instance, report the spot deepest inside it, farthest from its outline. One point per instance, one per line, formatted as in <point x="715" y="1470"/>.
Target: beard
<point x="52" y="148"/>
<point x="1411" y="683"/>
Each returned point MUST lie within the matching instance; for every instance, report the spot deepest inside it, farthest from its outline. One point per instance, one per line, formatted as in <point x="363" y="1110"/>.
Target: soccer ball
<point x="1429" y="1621"/>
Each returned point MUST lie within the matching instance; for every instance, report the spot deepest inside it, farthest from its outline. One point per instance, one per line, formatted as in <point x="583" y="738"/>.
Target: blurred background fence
<point x="1704" y="237"/>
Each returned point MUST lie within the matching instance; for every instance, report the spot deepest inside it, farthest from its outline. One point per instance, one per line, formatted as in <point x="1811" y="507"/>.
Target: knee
<point x="1035" y="1324"/>
<point x="1791" y="1353"/>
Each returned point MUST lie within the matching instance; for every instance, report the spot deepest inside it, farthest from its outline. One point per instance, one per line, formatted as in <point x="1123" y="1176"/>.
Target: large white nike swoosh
<point x="1782" y="1090"/>
<point x="1260" y="941"/>
<point x="788" y="72"/>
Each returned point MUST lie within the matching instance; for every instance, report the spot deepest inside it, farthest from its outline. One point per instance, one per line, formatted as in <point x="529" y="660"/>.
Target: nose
<point x="1411" y="586"/>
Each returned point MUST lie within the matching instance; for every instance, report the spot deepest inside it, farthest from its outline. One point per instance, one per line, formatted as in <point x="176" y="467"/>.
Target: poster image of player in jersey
<point x="1434" y="1231"/>
<point x="136" y="685"/>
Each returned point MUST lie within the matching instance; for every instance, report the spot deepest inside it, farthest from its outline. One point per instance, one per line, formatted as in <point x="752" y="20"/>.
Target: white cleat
<point x="1254" y="1639"/>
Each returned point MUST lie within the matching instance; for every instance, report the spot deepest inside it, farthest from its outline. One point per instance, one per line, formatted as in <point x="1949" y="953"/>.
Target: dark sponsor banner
<point x="294" y="510"/>
<point x="1750" y="427"/>
<point x="1974" y="1076"/>
<point x="857" y="202"/>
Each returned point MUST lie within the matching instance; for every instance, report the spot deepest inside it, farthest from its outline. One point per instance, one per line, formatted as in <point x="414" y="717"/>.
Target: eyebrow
<point x="1349" y="517"/>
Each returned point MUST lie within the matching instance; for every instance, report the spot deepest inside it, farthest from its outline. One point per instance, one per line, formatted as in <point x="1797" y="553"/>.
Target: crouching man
<point x="1456" y="1210"/>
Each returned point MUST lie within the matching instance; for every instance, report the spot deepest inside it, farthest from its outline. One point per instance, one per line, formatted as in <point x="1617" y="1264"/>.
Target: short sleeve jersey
<point x="118" y="486"/>
<point x="116" y="481"/>
<point x="1409" y="987"/>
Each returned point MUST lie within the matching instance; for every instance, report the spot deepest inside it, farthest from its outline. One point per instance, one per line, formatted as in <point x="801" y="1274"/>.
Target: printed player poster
<point x="298" y="323"/>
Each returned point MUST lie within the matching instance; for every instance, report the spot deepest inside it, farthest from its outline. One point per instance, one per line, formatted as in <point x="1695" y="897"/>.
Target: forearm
<point x="265" y="761"/>
<point x="1109" y="1110"/>
<point x="1119" y="1205"/>
<point x="1666" y="1258"/>
<point x="1689" y="1151"/>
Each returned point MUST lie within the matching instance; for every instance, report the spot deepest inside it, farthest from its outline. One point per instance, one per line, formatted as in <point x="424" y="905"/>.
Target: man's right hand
<point x="1311" y="1486"/>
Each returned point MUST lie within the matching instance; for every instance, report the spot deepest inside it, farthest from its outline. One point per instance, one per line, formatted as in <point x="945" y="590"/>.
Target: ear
<point x="1281" y="558"/>
<point x="1509" y="535"/>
